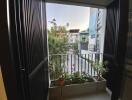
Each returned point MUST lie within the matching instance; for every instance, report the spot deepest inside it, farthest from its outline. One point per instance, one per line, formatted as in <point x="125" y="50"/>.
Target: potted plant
<point x="86" y="77"/>
<point x="77" y="83"/>
<point x="61" y="81"/>
<point x="101" y="68"/>
<point x="76" y="78"/>
<point x="56" y="76"/>
<point x="68" y="79"/>
<point x="81" y="83"/>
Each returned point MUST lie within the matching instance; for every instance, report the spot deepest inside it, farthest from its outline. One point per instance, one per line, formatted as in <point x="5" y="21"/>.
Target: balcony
<point x="80" y="74"/>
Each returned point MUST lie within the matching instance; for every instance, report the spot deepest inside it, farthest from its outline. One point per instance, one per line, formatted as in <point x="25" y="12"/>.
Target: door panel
<point x="111" y="41"/>
<point x="127" y="77"/>
<point x="32" y="40"/>
<point x="115" y="44"/>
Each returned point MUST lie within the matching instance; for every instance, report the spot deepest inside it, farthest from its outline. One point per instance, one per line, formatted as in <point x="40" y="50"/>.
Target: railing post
<point x="88" y="63"/>
<point x="67" y="64"/>
<point x="85" y="64"/>
<point x="71" y="63"/>
<point x="81" y="63"/>
<point x="78" y="62"/>
<point x="96" y="56"/>
<point x="91" y="64"/>
<point x="74" y="62"/>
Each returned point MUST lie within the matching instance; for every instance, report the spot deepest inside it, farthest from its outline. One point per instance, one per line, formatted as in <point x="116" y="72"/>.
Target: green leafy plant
<point x="57" y="42"/>
<point x="76" y="77"/>
<point x="68" y="79"/>
<point x="55" y="70"/>
<point x="86" y="77"/>
<point x="100" y="67"/>
<point x="57" y="38"/>
<point x="75" y="47"/>
<point x="81" y="78"/>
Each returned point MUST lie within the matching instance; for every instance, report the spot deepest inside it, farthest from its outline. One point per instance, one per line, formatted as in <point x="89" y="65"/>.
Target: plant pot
<point x="68" y="82"/>
<point x="101" y="83"/>
<point x="55" y="93"/>
<point x="77" y="81"/>
<point x="76" y="89"/>
<point x="61" y="82"/>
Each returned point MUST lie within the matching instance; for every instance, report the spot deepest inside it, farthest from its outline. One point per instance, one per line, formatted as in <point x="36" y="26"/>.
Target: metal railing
<point x="71" y="63"/>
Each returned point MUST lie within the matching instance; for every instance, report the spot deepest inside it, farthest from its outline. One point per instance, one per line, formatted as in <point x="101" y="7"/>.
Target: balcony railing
<point x="71" y="63"/>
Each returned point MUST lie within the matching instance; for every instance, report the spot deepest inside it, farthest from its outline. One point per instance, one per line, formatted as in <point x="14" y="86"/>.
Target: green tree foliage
<point x="57" y="41"/>
<point x="75" y="47"/>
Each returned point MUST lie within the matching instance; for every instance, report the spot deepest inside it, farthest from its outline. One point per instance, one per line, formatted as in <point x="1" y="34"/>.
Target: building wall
<point x="72" y="37"/>
<point x="92" y="28"/>
<point x="97" y="19"/>
<point x="83" y="44"/>
<point x="102" y="30"/>
<point x="93" y="22"/>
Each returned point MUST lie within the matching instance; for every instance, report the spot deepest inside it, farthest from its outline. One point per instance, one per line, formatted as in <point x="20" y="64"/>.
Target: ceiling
<point x="91" y="3"/>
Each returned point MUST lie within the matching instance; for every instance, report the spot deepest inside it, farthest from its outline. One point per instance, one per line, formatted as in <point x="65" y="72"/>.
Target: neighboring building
<point x="73" y="36"/>
<point x="97" y="29"/>
<point x="94" y="36"/>
<point x="92" y="28"/>
<point x="83" y="43"/>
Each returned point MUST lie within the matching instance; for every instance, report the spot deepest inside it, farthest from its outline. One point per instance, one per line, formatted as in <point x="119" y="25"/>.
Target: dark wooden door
<point x="115" y="44"/>
<point x="29" y="43"/>
<point x="127" y="76"/>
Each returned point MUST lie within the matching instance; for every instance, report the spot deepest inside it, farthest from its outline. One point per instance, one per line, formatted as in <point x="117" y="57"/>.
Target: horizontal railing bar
<point x="75" y="54"/>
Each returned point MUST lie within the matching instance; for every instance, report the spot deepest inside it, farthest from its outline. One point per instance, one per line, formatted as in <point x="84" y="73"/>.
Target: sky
<point x="76" y="16"/>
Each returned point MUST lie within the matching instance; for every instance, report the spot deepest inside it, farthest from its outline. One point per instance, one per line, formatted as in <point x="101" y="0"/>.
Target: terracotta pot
<point x="61" y="82"/>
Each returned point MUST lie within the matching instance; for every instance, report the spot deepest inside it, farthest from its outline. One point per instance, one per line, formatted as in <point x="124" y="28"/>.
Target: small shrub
<point x="100" y="67"/>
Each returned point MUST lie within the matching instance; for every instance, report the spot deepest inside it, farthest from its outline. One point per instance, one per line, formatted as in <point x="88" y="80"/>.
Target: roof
<point x="74" y="30"/>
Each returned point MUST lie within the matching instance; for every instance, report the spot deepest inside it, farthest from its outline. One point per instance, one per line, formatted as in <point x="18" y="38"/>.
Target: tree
<point x="75" y="47"/>
<point x="57" y="40"/>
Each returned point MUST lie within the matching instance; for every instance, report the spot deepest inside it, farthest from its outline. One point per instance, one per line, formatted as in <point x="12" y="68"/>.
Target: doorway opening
<point x="75" y="42"/>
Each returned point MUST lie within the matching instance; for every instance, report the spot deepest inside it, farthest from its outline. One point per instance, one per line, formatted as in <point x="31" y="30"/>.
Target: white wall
<point x="102" y="30"/>
<point x="72" y="37"/>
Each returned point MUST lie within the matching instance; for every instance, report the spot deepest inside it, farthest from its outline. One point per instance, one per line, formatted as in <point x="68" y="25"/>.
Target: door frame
<point x="10" y="51"/>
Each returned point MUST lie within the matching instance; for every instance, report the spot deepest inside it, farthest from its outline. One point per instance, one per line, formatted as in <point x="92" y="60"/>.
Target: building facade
<point x="96" y="29"/>
<point x="73" y="36"/>
<point x="83" y="42"/>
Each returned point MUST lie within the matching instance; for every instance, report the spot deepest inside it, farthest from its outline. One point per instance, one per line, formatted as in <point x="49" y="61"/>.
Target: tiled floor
<point x="95" y="96"/>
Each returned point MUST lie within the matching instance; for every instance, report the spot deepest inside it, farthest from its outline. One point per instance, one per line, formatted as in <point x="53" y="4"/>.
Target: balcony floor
<point x="95" y="96"/>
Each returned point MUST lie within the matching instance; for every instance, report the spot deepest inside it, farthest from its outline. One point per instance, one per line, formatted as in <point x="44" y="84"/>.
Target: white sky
<point x="76" y="16"/>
